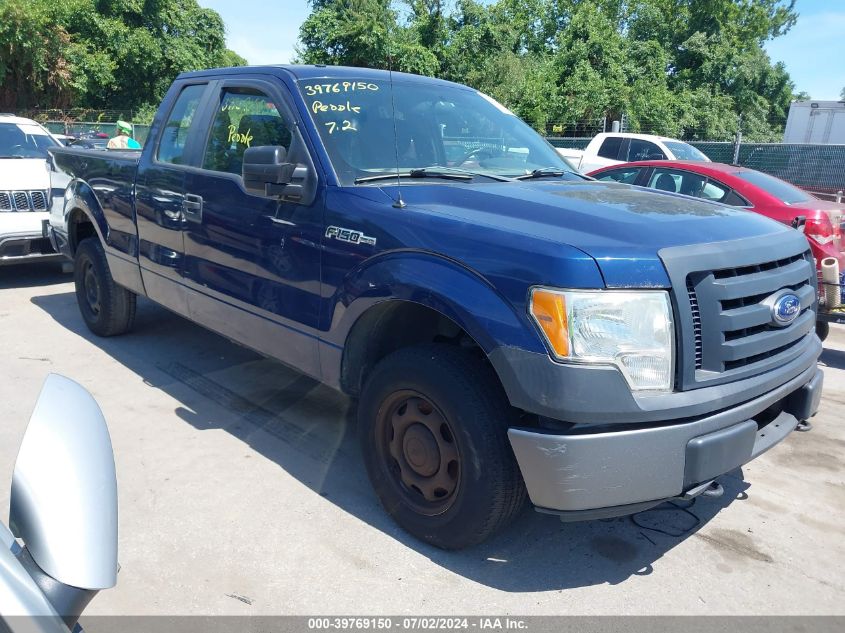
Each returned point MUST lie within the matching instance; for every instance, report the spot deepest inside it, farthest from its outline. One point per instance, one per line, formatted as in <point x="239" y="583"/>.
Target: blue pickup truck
<point x="508" y="327"/>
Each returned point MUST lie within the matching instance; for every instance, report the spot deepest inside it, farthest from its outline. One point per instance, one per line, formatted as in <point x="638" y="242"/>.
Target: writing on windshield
<point x="367" y="130"/>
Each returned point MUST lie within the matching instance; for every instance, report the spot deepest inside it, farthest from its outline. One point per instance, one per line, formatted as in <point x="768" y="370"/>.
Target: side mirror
<point x="266" y="172"/>
<point x="64" y="490"/>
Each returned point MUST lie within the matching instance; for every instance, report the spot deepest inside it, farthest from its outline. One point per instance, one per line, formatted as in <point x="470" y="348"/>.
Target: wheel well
<point x="390" y="326"/>
<point x="79" y="227"/>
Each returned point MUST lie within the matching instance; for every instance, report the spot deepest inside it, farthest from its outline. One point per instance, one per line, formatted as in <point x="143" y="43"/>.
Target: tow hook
<point x="804" y="426"/>
<point x="709" y="489"/>
<point x="714" y="490"/>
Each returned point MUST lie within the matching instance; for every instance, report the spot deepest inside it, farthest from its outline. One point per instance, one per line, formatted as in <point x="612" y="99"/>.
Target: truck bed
<point x="84" y="163"/>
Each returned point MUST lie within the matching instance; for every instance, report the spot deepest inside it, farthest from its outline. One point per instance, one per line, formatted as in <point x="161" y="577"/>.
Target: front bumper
<point x="593" y="472"/>
<point x="17" y="248"/>
<point x="24" y="238"/>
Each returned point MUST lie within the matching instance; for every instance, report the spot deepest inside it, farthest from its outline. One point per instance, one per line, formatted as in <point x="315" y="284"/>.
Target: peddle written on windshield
<point x="325" y="107"/>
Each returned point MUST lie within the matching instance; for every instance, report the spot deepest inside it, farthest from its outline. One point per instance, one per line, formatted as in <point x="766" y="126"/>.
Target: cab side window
<point x="610" y="147"/>
<point x="171" y="147"/>
<point x="644" y="150"/>
<point x="245" y="118"/>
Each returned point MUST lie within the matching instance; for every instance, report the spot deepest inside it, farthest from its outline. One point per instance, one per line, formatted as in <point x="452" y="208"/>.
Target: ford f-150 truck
<point x="507" y="326"/>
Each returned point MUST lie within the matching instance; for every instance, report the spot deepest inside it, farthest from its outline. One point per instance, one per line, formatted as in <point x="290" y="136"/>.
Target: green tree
<point x="682" y="67"/>
<point x="35" y="60"/>
<point x="106" y="53"/>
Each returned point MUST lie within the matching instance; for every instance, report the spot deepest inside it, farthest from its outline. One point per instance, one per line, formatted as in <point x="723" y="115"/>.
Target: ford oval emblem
<point x="786" y="309"/>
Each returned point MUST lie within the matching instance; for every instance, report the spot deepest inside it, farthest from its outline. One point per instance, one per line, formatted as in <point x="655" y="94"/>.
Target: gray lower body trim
<point x="594" y="394"/>
<point x="582" y="471"/>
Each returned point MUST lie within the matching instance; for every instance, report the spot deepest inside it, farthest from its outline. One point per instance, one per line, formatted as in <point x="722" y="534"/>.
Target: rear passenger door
<point x="252" y="263"/>
<point x="160" y="196"/>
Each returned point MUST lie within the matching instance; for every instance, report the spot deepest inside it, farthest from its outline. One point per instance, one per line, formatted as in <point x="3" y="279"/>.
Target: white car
<point x="612" y="148"/>
<point x="25" y="190"/>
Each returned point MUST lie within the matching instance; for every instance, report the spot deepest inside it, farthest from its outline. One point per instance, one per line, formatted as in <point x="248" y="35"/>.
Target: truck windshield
<point x="436" y="125"/>
<point x="24" y="141"/>
<point x="684" y="151"/>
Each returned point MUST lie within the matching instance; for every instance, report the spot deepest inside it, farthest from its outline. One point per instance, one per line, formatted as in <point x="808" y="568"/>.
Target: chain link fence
<point x="77" y="128"/>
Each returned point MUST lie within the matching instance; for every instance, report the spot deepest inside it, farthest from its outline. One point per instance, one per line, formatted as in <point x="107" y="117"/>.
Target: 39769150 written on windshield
<point x="369" y="127"/>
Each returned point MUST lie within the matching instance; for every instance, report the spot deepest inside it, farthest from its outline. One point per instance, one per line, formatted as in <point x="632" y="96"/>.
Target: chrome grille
<point x="39" y="200"/>
<point x="35" y="200"/>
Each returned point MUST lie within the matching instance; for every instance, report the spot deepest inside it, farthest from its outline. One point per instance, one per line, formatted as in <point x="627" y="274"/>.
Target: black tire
<point x="107" y="308"/>
<point x="468" y="486"/>
<point x="822" y="329"/>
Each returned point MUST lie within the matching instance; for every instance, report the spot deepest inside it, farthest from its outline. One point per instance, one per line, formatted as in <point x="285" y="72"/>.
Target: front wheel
<point x="433" y="429"/>
<point x="822" y="329"/>
<point x="107" y="308"/>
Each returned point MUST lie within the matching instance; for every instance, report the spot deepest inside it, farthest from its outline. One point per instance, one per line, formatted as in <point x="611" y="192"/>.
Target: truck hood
<point x="17" y="174"/>
<point x="620" y="226"/>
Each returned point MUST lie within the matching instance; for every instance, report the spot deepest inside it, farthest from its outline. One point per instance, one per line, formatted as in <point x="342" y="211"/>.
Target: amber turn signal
<point x="549" y="311"/>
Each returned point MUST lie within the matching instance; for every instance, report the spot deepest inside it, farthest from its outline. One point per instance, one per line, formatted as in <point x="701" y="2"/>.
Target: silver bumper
<point x="591" y="474"/>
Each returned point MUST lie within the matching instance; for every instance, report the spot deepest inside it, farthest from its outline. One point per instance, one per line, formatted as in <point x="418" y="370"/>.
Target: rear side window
<point x="245" y="117"/>
<point x="628" y="176"/>
<point x="171" y="147"/>
<point x="610" y="147"/>
<point x="735" y="200"/>
<point x="688" y="184"/>
<point x="713" y="191"/>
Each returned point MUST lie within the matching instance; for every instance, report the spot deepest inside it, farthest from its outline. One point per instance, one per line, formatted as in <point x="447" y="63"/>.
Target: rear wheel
<point x="107" y="308"/>
<point x="433" y="428"/>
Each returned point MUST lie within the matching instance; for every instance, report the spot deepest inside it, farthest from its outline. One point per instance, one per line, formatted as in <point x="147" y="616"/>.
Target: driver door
<point x="252" y="263"/>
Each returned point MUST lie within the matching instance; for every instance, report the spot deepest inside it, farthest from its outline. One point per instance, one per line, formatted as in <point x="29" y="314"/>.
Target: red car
<point x="744" y="188"/>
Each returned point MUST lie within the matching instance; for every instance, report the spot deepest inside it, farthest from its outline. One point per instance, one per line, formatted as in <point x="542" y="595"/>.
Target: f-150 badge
<point x="349" y="235"/>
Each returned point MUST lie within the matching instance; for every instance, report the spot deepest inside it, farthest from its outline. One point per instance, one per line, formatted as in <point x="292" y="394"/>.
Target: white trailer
<point x="820" y="122"/>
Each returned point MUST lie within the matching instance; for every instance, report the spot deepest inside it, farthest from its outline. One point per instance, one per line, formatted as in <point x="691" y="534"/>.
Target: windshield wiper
<point x="547" y="172"/>
<point x="5" y="157"/>
<point x="435" y="171"/>
<point x="416" y="173"/>
<point x="458" y="170"/>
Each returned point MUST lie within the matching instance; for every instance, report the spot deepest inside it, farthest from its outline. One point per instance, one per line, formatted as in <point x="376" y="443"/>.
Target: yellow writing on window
<point x="240" y="137"/>
<point x="319" y="106"/>
<point x="339" y="86"/>
<point x="343" y="126"/>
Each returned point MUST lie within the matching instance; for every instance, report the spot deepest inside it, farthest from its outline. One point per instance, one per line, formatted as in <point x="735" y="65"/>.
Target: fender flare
<point x="435" y="282"/>
<point x="83" y="199"/>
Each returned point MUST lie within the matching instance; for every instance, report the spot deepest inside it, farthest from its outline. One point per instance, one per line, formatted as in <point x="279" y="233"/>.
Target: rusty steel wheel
<point x="419" y="451"/>
<point x="433" y="422"/>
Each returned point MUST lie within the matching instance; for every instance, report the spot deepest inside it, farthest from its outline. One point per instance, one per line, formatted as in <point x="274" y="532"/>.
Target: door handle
<point x="192" y="207"/>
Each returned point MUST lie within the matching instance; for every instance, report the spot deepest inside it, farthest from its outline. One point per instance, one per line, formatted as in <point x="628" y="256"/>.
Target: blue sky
<point x="813" y="51"/>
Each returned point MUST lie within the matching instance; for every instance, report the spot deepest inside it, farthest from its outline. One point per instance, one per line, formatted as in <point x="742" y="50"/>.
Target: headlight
<point x="629" y="329"/>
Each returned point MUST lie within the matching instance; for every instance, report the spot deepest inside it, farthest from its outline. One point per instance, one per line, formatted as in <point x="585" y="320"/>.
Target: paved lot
<point x="241" y="492"/>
